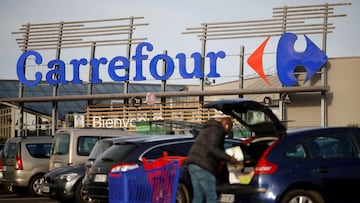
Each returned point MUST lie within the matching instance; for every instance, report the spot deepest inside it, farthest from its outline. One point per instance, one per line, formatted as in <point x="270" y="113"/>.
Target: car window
<point x="85" y="144"/>
<point x="117" y="152"/>
<point x="10" y="150"/>
<point x="39" y="150"/>
<point x="99" y="148"/>
<point x="254" y="117"/>
<point x="296" y="152"/>
<point x="174" y="149"/>
<point x="332" y="146"/>
<point x="61" y="144"/>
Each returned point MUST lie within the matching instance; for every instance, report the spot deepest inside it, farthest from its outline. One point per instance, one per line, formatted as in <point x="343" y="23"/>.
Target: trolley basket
<point x="145" y="185"/>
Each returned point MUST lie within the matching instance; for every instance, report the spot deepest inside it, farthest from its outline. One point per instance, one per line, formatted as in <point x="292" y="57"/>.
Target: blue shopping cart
<point x="154" y="182"/>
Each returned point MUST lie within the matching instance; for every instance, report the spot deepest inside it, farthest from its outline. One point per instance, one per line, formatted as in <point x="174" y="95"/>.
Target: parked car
<point x="315" y="165"/>
<point x="65" y="183"/>
<point x="1" y="167"/>
<point x="26" y="160"/>
<point x="127" y="155"/>
<point x="72" y="146"/>
<point x="303" y="165"/>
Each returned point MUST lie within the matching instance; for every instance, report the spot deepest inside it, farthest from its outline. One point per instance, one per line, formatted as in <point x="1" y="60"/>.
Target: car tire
<point x="182" y="194"/>
<point x="35" y="185"/>
<point x="80" y="197"/>
<point x="298" y="196"/>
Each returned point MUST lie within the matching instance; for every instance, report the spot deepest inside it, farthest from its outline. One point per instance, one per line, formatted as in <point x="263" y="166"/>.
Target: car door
<point x="337" y="163"/>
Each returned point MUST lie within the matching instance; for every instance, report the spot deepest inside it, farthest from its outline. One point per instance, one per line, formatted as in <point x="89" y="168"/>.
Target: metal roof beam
<point x="169" y="94"/>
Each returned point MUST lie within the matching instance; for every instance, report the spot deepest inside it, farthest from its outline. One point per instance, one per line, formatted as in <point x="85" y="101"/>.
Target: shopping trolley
<point x="154" y="182"/>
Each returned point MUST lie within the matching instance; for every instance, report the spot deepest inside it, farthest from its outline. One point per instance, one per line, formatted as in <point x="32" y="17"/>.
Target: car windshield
<point x="10" y="150"/>
<point x="256" y="120"/>
<point x="60" y="144"/>
<point x="117" y="152"/>
<point x="99" y="148"/>
<point x="85" y="144"/>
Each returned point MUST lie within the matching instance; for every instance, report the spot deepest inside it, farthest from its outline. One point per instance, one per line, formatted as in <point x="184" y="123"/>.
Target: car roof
<point x="92" y="131"/>
<point x="30" y="138"/>
<point x="120" y="139"/>
<point x="156" y="138"/>
<point x="161" y="138"/>
<point x="296" y="131"/>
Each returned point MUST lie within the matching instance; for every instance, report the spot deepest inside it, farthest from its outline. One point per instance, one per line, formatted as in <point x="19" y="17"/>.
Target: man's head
<point x="226" y="122"/>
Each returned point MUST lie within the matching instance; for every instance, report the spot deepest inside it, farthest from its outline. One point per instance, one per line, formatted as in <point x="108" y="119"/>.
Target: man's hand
<point x="234" y="161"/>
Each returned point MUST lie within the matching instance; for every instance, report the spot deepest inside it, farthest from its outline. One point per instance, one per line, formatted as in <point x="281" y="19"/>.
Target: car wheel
<point x="182" y="194"/>
<point x="35" y="185"/>
<point x="80" y="196"/>
<point x="302" y="196"/>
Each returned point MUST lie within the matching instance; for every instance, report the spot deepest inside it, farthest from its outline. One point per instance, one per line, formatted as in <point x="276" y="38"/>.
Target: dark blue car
<point x="313" y="165"/>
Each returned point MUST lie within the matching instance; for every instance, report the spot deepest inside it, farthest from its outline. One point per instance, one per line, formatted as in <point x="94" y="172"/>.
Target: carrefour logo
<point x="287" y="59"/>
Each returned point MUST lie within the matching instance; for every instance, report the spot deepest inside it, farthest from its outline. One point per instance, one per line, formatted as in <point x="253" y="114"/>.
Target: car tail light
<point x="1" y="163"/>
<point x="264" y="166"/>
<point x="123" y="167"/>
<point x="19" y="164"/>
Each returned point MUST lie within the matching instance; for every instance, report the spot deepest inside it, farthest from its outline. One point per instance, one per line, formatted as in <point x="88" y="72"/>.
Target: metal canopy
<point x="8" y="91"/>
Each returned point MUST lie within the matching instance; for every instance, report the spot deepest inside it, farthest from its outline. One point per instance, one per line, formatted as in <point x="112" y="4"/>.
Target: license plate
<point x="100" y="178"/>
<point x="45" y="189"/>
<point x="228" y="198"/>
<point x="57" y="165"/>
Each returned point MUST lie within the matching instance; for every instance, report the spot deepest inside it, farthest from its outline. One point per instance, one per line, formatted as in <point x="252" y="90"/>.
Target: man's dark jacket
<point x="208" y="148"/>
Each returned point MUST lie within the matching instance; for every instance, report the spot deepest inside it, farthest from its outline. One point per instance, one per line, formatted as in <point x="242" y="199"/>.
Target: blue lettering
<point x="95" y="69"/>
<point x="139" y="58"/>
<point x="20" y="69"/>
<point x="76" y="70"/>
<point x="56" y="76"/>
<point x="197" y="66"/>
<point x="213" y="57"/>
<point x="113" y="67"/>
<point x="169" y="68"/>
<point x="117" y="64"/>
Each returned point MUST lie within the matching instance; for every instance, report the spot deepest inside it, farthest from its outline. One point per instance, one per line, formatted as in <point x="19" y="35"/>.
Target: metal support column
<point x="55" y="105"/>
<point x="203" y="51"/>
<point x="241" y="70"/>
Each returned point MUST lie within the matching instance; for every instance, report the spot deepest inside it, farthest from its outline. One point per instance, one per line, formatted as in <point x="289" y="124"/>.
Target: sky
<point x="167" y="20"/>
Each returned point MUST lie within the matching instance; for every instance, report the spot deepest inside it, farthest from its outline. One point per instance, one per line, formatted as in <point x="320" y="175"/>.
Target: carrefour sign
<point x="287" y="59"/>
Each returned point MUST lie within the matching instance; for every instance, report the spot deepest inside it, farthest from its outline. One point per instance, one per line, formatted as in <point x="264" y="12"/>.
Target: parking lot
<point x="6" y="197"/>
<point x="13" y="198"/>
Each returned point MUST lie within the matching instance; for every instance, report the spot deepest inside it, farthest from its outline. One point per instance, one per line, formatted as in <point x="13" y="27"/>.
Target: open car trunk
<point x="265" y="128"/>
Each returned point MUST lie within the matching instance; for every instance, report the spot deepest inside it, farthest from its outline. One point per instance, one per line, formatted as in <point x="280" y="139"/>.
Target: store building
<point x="320" y="94"/>
<point x="302" y="107"/>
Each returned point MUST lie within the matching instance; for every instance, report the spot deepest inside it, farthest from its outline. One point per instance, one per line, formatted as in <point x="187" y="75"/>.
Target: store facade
<point x="303" y="109"/>
<point x="308" y="89"/>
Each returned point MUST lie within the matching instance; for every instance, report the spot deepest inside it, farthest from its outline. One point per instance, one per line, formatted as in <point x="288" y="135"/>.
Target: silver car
<point x="26" y="160"/>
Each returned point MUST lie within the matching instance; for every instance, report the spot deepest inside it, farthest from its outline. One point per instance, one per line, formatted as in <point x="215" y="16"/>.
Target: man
<point x="204" y="157"/>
